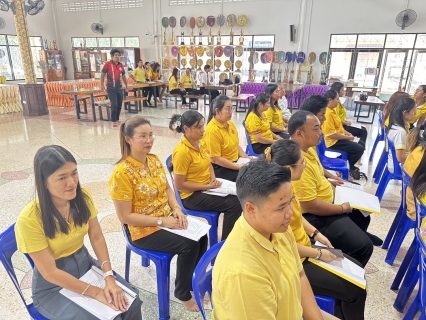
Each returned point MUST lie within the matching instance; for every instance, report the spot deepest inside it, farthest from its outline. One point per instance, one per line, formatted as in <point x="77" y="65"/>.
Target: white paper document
<point x="356" y="139"/>
<point x="356" y="125"/>
<point x="345" y="269"/>
<point x="332" y="154"/>
<point x="352" y="186"/>
<point x="357" y="199"/>
<point x="227" y="187"/>
<point x="95" y="277"/>
<point x="196" y="229"/>
<point x="242" y="160"/>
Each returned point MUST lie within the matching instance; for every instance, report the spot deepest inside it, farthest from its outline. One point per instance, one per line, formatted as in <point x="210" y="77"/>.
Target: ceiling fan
<point x="32" y="7"/>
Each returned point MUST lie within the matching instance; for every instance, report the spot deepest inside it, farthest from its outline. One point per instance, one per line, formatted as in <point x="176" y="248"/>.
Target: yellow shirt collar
<point x="261" y="240"/>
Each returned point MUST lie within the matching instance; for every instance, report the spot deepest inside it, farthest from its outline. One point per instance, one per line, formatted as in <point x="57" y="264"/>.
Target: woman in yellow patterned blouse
<point x="144" y="202"/>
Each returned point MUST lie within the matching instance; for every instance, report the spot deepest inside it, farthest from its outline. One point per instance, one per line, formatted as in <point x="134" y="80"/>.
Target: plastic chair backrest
<point x="7" y="248"/>
<point x="249" y="149"/>
<point x="202" y="278"/>
<point x="420" y="216"/>
<point x="406" y="179"/>
<point x="321" y="147"/>
<point x="169" y="169"/>
<point x="396" y="166"/>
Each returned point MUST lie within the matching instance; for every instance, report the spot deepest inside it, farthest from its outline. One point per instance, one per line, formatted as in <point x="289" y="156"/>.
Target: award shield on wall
<point x="220" y="22"/>
<point x="231" y="20"/>
<point x="165" y="24"/>
<point x="182" y="25"/>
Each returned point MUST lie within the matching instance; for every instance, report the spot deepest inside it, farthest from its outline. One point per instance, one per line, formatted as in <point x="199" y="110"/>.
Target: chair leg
<point x="404" y="266"/>
<point x="213" y="222"/>
<point x="384" y="180"/>
<point x="162" y="267"/>
<point x="380" y="165"/>
<point x="407" y="287"/>
<point x="404" y="225"/>
<point x="127" y="264"/>
<point x="145" y="262"/>
<point x="392" y="228"/>
<point x="345" y="174"/>
<point x="374" y="147"/>
<point x="413" y="309"/>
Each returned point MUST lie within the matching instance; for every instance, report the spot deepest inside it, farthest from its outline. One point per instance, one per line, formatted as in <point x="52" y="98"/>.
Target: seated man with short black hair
<point x="205" y="80"/>
<point x="258" y="273"/>
<point x="344" y="227"/>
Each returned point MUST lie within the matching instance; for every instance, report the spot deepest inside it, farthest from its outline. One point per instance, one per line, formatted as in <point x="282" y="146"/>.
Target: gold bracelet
<point x="85" y="289"/>
<point x="177" y="206"/>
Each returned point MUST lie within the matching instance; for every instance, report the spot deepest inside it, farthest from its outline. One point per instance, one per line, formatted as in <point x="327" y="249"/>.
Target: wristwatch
<point x="314" y="233"/>
<point x="160" y="222"/>
<point x="108" y="273"/>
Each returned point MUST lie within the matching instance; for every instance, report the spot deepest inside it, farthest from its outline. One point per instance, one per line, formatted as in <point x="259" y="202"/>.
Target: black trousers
<point x="213" y="93"/>
<point x="189" y="253"/>
<point x="192" y="91"/>
<point x="283" y="135"/>
<point x="225" y="173"/>
<point x="229" y="205"/>
<point x="115" y="96"/>
<point x="148" y="92"/>
<point x="346" y="232"/>
<point x="353" y="149"/>
<point x="260" y="147"/>
<point x="182" y="94"/>
<point x="350" y="298"/>
<point x="360" y="133"/>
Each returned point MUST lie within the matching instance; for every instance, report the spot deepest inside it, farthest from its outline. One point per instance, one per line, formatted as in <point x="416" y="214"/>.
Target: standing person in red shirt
<point x="113" y="70"/>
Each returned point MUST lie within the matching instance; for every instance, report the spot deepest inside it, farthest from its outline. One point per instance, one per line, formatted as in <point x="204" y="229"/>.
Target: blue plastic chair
<point x="162" y="268"/>
<point x="202" y="278"/>
<point x="336" y="164"/>
<point x="7" y="248"/>
<point x="400" y="225"/>
<point x="380" y="136"/>
<point x="249" y="148"/>
<point x="412" y="274"/>
<point x="381" y="165"/>
<point x="212" y="217"/>
<point x="202" y="282"/>
<point x="387" y="175"/>
<point x="419" y="302"/>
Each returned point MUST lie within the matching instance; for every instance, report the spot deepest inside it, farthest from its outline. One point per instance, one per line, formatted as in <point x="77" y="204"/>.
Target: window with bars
<point x="101" y="5"/>
<point x="102" y="43"/>
<point x="10" y="57"/>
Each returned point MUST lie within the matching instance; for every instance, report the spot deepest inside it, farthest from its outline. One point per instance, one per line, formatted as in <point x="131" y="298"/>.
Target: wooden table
<point x="350" y="89"/>
<point x="292" y="89"/>
<point x="371" y="102"/>
<point x="83" y="91"/>
<point x="220" y="87"/>
<point x="9" y="99"/>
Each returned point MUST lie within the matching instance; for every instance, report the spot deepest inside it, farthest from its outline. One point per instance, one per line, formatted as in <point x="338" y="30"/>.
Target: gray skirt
<point x="53" y="305"/>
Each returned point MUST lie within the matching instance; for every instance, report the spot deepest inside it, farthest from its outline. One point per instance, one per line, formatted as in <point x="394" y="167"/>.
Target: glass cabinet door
<point x="77" y="62"/>
<point x="51" y="60"/>
<point x="84" y="58"/>
<point x="93" y="62"/>
<point x="58" y="60"/>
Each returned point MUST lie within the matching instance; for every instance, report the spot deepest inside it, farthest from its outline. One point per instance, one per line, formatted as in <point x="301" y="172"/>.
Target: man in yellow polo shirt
<point x="344" y="227"/>
<point x="258" y="273"/>
<point x="139" y="75"/>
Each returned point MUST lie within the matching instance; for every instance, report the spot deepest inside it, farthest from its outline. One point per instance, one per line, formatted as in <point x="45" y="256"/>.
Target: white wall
<point x="265" y="17"/>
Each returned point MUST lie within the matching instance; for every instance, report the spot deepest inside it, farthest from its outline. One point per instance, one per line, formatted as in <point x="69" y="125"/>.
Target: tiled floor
<point x="96" y="148"/>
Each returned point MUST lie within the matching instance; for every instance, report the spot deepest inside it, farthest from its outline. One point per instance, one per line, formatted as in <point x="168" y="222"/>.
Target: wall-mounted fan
<point x="4" y="5"/>
<point x="406" y="18"/>
<point x="2" y="23"/>
<point x="34" y="7"/>
<point x="97" y="28"/>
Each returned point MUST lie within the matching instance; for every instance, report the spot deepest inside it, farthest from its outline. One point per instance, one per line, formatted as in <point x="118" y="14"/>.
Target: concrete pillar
<point x="24" y="42"/>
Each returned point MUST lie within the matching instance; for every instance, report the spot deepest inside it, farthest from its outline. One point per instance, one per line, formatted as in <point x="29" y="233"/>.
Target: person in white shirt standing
<point x="283" y="104"/>
<point x="206" y="81"/>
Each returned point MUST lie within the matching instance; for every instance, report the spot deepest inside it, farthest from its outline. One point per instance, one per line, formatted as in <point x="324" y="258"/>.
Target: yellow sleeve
<point x="29" y="231"/>
<point x="90" y="203"/>
<point x="172" y="83"/>
<point x="149" y="73"/>
<point x="253" y="124"/>
<point x="213" y="142"/>
<point x="341" y="112"/>
<point x="133" y="72"/>
<point x="239" y="294"/>
<point x="306" y="187"/>
<point x="120" y="186"/>
<point x="328" y="127"/>
<point x="181" y="162"/>
<point x="269" y="115"/>
<point x="294" y="250"/>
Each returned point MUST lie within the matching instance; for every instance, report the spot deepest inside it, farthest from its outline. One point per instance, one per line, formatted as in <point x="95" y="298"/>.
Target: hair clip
<point x="268" y="154"/>
<point x="178" y="122"/>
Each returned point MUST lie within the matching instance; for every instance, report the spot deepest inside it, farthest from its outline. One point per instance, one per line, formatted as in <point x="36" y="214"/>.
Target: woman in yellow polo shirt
<point x="187" y="81"/>
<point x="420" y="98"/>
<point x="416" y="146"/>
<point x="339" y="139"/>
<point x="287" y="153"/>
<point x="175" y="86"/>
<point x="144" y="202"/>
<point x="391" y="104"/>
<point x="257" y="125"/>
<point x="154" y="75"/>
<point x="193" y="171"/>
<point x="221" y="138"/>
<point x="341" y="112"/>
<point x="51" y="229"/>
<point x="274" y="113"/>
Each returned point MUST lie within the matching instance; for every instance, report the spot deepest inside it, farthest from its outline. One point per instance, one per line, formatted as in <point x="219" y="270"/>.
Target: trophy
<point x="200" y="23"/>
<point x="231" y="20"/>
<point x="220" y="22"/>
<point x="242" y="21"/>
<point x="210" y="22"/>
<point x="182" y="34"/>
<point x="165" y="24"/>
<point x="192" y="25"/>
<point x="172" y="23"/>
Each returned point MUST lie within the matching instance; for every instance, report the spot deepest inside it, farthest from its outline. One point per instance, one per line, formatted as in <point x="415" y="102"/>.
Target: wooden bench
<point x="171" y="95"/>
<point x="128" y="106"/>
<point x="193" y="96"/>
<point x="244" y="97"/>
<point x="107" y="104"/>
<point x="86" y="97"/>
